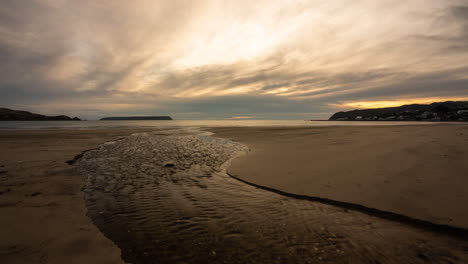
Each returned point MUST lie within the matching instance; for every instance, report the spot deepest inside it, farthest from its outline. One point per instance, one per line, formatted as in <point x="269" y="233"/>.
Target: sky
<point x="220" y="59"/>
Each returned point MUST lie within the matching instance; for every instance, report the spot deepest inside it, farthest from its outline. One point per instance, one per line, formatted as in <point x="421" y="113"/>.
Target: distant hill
<point x="138" y="118"/>
<point x="442" y="111"/>
<point x="16" y="115"/>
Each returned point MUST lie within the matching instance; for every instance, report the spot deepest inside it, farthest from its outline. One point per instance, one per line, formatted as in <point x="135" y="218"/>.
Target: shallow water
<point x="164" y="197"/>
<point x="8" y="125"/>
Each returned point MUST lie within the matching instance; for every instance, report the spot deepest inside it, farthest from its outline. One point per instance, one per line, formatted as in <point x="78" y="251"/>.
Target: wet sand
<point x="417" y="171"/>
<point x="164" y="197"/>
<point x="42" y="210"/>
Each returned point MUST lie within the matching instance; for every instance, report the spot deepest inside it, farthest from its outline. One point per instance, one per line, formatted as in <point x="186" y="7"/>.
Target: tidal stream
<point x="164" y="197"/>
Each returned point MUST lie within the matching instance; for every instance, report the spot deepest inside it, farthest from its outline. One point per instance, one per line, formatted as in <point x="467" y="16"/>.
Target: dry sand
<point x="191" y="212"/>
<point x="43" y="214"/>
<point x="420" y="171"/>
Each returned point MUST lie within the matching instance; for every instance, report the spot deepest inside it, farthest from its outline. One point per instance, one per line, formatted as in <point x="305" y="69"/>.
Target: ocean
<point x="20" y="125"/>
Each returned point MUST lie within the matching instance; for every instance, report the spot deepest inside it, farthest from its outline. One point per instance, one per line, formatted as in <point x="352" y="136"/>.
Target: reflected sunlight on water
<point x="189" y="123"/>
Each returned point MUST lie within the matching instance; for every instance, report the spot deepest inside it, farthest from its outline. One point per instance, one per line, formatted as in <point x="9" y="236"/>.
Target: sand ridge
<point x="418" y="171"/>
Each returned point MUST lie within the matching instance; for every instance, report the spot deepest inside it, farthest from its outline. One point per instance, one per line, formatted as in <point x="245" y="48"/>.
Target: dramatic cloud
<point x="226" y="59"/>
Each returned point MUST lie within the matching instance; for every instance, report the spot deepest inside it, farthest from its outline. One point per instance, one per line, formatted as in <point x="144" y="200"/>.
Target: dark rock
<point x="169" y="165"/>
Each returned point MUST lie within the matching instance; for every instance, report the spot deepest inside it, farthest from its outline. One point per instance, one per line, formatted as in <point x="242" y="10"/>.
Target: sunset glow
<point x="243" y="117"/>
<point x="210" y="59"/>
<point x="394" y="103"/>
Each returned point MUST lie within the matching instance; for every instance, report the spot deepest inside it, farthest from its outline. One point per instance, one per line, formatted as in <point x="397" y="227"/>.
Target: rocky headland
<point x="18" y="115"/>
<point x="442" y="111"/>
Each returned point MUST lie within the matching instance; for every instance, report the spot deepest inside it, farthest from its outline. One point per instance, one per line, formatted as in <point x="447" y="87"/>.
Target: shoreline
<point x="39" y="187"/>
<point x="446" y="229"/>
<point x="184" y="212"/>
<point x="393" y="168"/>
<point x="44" y="217"/>
<point x="454" y="231"/>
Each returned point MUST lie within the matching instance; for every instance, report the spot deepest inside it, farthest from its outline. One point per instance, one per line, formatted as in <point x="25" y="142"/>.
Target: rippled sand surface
<point x="164" y="197"/>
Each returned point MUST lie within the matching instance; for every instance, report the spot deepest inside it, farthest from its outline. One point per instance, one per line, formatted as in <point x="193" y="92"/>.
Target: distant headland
<point x="138" y="118"/>
<point x="442" y="111"/>
<point x="17" y="115"/>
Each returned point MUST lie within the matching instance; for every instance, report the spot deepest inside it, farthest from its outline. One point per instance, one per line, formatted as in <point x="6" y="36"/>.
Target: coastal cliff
<point x="138" y="118"/>
<point x="442" y="111"/>
<point x="17" y="115"/>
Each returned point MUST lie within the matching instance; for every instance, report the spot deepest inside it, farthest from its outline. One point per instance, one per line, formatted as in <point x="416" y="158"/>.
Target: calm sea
<point x="15" y="125"/>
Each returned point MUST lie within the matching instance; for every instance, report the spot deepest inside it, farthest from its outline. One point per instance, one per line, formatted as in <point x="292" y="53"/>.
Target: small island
<point x="18" y="115"/>
<point x="138" y="118"/>
<point x="441" y="111"/>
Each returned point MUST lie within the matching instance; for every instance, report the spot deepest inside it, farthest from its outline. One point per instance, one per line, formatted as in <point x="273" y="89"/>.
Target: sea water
<point x="8" y="125"/>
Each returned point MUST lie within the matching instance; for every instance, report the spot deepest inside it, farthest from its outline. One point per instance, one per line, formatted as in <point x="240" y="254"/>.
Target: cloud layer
<point x="217" y="59"/>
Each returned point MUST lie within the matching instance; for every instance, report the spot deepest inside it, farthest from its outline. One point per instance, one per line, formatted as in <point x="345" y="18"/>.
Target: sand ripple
<point x="164" y="198"/>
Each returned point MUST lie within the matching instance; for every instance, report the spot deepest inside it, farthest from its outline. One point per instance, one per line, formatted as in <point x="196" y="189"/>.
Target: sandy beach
<point x="234" y="131"/>
<point x="43" y="214"/>
<point x="162" y="196"/>
<point x="418" y="171"/>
